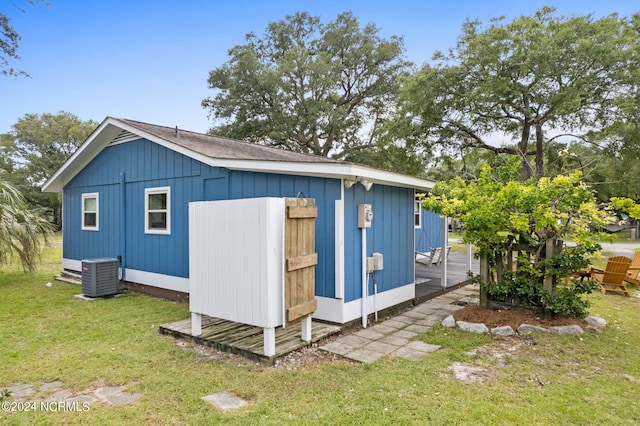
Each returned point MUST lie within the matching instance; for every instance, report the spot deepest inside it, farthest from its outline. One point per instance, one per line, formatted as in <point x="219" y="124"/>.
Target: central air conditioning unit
<point x="100" y="277"/>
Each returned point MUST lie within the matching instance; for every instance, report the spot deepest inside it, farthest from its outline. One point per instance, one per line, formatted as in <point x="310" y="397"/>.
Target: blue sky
<point x="149" y="60"/>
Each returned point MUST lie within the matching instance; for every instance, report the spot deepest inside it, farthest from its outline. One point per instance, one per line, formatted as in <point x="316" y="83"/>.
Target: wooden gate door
<point x="300" y="255"/>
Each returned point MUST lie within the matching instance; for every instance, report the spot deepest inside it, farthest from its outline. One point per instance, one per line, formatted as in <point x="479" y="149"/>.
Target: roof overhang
<point x="111" y="127"/>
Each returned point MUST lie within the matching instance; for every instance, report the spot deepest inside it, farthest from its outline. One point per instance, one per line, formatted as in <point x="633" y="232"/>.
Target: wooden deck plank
<point x="246" y="339"/>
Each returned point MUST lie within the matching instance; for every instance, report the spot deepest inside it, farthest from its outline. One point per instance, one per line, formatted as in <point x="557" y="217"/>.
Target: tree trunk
<point x="500" y="267"/>
<point x="525" y="167"/>
<point x="549" y="284"/>
<point x="539" y="151"/>
<point x="548" y="279"/>
<point x="484" y="279"/>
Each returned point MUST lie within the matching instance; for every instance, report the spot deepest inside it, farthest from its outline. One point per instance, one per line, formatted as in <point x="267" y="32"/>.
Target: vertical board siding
<point x="390" y="234"/>
<point x="430" y="234"/>
<point x="146" y="165"/>
<point x="242" y="241"/>
<point x="324" y="191"/>
<point x="142" y="162"/>
<point x="79" y="244"/>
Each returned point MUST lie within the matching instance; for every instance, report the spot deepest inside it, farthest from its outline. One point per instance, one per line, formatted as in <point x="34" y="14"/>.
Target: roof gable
<point x="221" y="152"/>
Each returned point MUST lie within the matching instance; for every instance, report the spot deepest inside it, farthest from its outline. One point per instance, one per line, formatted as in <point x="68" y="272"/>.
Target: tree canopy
<point x="8" y="47"/>
<point x="529" y="80"/>
<point x="528" y="220"/>
<point x="9" y="39"/>
<point x="37" y="147"/>
<point x="308" y="86"/>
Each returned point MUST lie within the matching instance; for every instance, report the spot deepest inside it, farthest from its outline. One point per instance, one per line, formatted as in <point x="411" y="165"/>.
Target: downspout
<point x="123" y="224"/>
<point x="375" y="297"/>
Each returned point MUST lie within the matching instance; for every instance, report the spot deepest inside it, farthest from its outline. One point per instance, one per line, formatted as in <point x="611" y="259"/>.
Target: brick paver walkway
<point x="393" y="336"/>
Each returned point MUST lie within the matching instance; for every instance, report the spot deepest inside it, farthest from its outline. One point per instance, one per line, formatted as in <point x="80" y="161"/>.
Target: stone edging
<point x="506" y="330"/>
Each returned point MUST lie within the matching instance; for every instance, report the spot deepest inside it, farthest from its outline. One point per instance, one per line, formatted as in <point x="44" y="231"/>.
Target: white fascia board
<point x="326" y="170"/>
<point x="99" y="139"/>
<point x="111" y="127"/>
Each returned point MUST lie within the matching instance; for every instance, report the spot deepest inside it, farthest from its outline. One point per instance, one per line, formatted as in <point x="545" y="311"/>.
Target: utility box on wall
<point x="100" y="277"/>
<point x="365" y="216"/>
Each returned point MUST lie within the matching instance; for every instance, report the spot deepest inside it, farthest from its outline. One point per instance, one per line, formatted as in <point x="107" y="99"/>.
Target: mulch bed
<point x="513" y="316"/>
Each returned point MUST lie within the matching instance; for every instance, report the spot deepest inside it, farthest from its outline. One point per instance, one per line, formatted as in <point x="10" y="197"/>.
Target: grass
<point x="48" y="335"/>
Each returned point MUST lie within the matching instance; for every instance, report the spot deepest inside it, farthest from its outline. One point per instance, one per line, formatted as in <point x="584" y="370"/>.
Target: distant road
<point x="618" y="249"/>
<point x="621" y="249"/>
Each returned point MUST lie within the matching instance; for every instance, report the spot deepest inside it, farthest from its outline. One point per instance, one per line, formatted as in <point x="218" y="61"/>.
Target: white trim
<point x="72" y="264"/>
<point x="418" y="213"/>
<point x="151" y="191"/>
<point x="110" y="128"/>
<point x="330" y="309"/>
<point x="168" y="282"/>
<point x="334" y="310"/>
<point x="444" y="253"/>
<point x="95" y="195"/>
<point x="95" y="143"/>
<point x="152" y="279"/>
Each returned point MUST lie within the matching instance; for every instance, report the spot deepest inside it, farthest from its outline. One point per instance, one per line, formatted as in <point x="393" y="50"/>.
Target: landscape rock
<point x="472" y="327"/>
<point x="596" y="321"/>
<point x="528" y="328"/>
<point x="505" y="330"/>
<point x="572" y="330"/>
<point x="449" y="322"/>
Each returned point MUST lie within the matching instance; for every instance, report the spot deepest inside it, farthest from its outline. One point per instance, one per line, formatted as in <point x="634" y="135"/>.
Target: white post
<point x="269" y="341"/>
<point x="469" y="257"/>
<point x="443" y="252"/>
<point x="196" y="324"/>
<point x="306" y="328"/>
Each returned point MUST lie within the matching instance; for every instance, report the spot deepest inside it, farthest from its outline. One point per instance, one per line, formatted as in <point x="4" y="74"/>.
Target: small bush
<point x="528" y="292"/>
<point x="568" y="300"/>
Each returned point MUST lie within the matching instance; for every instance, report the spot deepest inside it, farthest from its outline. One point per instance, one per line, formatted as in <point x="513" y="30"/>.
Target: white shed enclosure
<point x="240" y="261"/>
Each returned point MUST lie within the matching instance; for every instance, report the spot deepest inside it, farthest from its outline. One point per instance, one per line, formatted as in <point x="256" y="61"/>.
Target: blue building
<point x="126" y="193"/>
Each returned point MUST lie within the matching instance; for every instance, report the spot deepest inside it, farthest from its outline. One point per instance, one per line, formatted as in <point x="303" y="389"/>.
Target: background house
<point x="126" y="193"/>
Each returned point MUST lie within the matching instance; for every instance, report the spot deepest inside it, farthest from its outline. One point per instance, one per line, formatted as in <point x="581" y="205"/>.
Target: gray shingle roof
<point x="220" y="147"/>
<point x="223" y="152"/>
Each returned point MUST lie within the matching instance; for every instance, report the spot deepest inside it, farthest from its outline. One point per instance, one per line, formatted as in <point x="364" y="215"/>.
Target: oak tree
<point x="39" y="144"/>
<point x="9" y="39"/>
<point x="529" y="81"/>
<point x="307" y="86"/>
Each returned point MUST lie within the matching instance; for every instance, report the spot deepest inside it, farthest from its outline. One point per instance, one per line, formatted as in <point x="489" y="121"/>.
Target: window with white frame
<point x="90" y="211"/>
<point x="417" y="213"/>
<point x="157" y="210"/>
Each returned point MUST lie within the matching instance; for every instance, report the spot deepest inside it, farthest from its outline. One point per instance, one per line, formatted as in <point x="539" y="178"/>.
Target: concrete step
<point x="70" y="277"/>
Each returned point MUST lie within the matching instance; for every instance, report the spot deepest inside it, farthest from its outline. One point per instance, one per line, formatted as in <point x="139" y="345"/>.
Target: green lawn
<point x="47" y="335"/>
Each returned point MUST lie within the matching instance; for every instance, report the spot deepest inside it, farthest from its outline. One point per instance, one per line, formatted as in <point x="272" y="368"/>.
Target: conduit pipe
<point x="123" y="225"/>
<point x="365" y="277"/>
